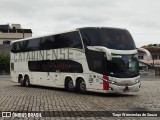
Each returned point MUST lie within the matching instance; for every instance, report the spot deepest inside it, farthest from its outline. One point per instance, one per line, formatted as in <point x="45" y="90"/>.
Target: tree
<point x="4" y="63"/>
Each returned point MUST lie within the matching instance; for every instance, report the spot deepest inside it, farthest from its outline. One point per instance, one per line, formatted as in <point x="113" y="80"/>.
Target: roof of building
<point x="5" y="27"/>
<point x="152" y="48"/>
<point x="11" y="29"/>
<point x="151" y="45"/>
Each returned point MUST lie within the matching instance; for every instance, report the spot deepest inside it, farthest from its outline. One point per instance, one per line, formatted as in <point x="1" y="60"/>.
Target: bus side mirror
<point x="106" y="50"/>
<point x="149" y="57"/>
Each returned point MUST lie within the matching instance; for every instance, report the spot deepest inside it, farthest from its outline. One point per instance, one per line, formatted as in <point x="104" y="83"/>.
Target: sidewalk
<point x="150" y="78"/>
<point x="5" y="77"/>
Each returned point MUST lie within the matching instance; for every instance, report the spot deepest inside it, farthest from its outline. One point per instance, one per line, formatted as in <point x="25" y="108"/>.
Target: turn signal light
<point x="105" y="77"/>
<point x="105" y="83"/>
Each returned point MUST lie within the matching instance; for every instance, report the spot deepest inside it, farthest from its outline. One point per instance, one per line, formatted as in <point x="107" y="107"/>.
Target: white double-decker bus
<point x="86" y="59"/>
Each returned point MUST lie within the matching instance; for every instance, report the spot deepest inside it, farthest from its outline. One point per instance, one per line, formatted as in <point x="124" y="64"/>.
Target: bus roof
<point x="64" y="32"/>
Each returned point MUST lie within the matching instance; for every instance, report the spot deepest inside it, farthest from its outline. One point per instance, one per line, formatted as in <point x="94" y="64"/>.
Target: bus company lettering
<point x="60" y="66"/>
<point x="44" y="55"/>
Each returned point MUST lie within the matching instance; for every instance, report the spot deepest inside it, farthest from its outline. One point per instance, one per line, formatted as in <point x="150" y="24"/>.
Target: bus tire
<point x="21" y="80"/>
<point x="69" y="86"/>
<point x="81" y="85"/>
<point x="26" y="81"/>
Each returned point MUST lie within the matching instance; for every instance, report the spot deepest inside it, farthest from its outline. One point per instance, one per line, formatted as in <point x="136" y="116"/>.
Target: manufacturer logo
<point x="6" y="114"/>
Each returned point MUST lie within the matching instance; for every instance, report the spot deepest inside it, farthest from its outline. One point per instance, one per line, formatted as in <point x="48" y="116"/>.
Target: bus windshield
<point x="122" y="66"/>
<point x="118" y="39"/>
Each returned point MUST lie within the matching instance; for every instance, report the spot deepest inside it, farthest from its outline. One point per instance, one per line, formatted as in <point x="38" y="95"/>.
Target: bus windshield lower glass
<point x="123" y="66"/>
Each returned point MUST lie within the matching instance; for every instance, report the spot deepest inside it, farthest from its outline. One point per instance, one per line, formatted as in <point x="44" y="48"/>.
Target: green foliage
<point x="153" y="45"/>
<point x="4" y="62"/>
<point x="150" y="45"/>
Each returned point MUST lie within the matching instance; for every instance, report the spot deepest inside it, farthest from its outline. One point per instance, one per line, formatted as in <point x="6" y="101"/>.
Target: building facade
<point x="13" y="32"/>
<point x="150" y="67"/>
<point x="155" y="52"/>
<point x="9" y="33"/>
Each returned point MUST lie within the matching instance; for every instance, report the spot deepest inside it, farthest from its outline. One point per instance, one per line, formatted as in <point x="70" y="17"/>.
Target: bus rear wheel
<point x="69" y="86"/>
<point x="26" y="81"/>
<point x="81" y="86"/>
<point x="21" y="81"/>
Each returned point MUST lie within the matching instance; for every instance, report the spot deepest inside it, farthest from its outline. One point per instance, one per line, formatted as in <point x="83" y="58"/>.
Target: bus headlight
<point x="112" y="82"/>
<point x="137" y="80"/>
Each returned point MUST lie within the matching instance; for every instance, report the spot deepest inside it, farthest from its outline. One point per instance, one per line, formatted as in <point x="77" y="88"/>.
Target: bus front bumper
<point x="116" y="88"/>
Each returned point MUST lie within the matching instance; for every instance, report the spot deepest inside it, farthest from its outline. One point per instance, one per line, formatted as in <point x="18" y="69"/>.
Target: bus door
<point x="55" y="78"/>
<point x="46" y="81"/>
<point x="52" y="73"/>
<point x="58" y="77"/>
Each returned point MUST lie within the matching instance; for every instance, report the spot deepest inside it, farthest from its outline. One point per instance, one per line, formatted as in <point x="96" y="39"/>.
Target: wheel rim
<point x="83" y="86"/>
<point x="70" y="85"/>
<point x="21" y="80"/>
<point x="27" y="82"/>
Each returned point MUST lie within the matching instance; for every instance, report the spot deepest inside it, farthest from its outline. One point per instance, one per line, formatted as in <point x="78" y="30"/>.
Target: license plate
<point x="126" y="89"/>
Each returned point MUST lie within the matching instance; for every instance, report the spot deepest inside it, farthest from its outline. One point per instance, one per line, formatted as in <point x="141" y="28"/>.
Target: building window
<point x="12" y="66"/>
<point x="140" y="57"/>
<point x="155" y="57"/>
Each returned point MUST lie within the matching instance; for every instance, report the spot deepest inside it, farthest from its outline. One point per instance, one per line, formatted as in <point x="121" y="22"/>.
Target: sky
<point x="140" y="17"/>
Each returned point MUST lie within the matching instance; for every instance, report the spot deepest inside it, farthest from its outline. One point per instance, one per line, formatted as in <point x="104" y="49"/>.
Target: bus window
<point x="12" y="66"/>
<point x="47" y="43"/>
<point x="34" y="44"/>
<point x="68" y="40"/>
<point x="73" y="40"/>
<point x="90" y="37"/>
